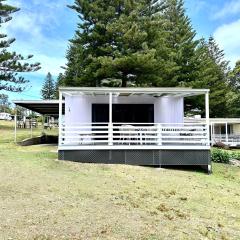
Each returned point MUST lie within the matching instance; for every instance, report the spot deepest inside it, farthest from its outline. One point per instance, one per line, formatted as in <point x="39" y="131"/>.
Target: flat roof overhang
<point x="155" y="92"/>
<point x="44" y="107"/>
<point x="222" y="121"/>
<point x="225" y="120"/>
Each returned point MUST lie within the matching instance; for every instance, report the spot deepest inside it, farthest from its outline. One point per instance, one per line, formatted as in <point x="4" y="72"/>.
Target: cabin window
<point x="221" y="129"/>
<point x="124" y="113"/>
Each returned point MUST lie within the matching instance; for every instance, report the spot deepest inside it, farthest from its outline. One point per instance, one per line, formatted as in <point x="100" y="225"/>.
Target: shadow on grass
<point x="187" y="168"/>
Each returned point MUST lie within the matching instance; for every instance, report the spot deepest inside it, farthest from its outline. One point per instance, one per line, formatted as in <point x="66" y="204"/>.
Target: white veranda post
<point x="211" y="137"/>
<point x="15" y="126"/>
<point x="110" y="125"/>
<point x="60" y="118"/>
<point x="43" y="121"/>
<point x="31" y="124"/>
<point x="207" y="115"/>
<point x="226" y="132"/>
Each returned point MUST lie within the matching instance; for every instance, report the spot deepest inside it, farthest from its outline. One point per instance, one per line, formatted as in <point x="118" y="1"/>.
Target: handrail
<point x="131" y="123"/>
<point x="134" y="134"/>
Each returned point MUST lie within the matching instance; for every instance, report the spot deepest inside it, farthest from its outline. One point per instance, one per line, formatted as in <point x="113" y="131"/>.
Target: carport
<point x="42" y="107"/>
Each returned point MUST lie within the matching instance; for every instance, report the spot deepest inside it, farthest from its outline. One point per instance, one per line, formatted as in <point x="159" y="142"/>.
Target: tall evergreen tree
<point x="112" y="42"/>
<point x="144" y="43"/>
<point x="233" y="97"/>
<point x="12" y="63"/>
<point x="234" y="77"/>
<point x="59" y="83"/>
<point x="212" y="74"/>
<point x="180" y="40"/>
<point x="191" y="62"/>
<point x="4" y="103"/>
<point x="48" y="88"/>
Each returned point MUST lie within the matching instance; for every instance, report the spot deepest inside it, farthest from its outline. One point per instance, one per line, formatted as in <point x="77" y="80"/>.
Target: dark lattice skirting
<point x="139" y="157"/>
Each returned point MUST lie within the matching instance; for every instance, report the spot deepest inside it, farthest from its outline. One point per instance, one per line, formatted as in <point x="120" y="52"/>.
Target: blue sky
<point x="43" y="28"/>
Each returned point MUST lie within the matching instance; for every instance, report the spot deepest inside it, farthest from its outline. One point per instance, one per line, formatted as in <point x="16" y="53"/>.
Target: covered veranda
<point x="130" y="118"/>
<point x="225" y="130"/>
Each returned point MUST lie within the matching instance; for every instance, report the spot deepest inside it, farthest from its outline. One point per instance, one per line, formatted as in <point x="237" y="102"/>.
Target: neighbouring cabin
<point x="141" y="126"/>
<point x="225" y="130"/>
<point x="222" y="130"/>
<point x="6" y="116"/>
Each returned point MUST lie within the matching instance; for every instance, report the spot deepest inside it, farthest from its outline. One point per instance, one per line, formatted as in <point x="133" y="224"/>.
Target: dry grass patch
<point x="45" y="199"/>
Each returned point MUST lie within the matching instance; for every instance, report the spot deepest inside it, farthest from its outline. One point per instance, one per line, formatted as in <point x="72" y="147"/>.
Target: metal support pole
<point x="15" y="126"/>
<point x="207" y="116"/>
<point x="213" y="132"/>
<point x="110" y="125"/>
<point x="220" y="131"/>
<point x="43" y="121"/>
<point x="60" y="124"/>
<point x="211" y="136"/>
<point x="31" y="122"/>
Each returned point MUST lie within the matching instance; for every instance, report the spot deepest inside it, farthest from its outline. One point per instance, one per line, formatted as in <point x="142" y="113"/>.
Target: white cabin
<point x="5" y="116"/>
<point x="222" y="130"/>
<point x="143" y="126"/>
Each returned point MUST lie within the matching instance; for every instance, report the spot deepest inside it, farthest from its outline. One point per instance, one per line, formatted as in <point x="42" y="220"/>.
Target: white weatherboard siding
<point x="236" y="129"/>
<point x="78" y="109"/>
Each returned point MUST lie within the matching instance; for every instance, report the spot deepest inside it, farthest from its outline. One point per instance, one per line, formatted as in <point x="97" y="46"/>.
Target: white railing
<point x="230" y="139"/>
<point x="134" y="134"/>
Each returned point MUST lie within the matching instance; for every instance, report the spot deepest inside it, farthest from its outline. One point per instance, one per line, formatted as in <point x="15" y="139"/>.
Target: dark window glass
<point x="129" y="113"/>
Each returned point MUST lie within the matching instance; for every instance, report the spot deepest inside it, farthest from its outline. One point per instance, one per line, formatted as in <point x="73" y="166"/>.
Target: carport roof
<point x="48" y="107"/>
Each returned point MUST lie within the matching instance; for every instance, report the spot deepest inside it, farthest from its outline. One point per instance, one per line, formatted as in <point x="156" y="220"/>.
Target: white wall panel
<point x="78" y="109"/>
<point x="169" y="110"/>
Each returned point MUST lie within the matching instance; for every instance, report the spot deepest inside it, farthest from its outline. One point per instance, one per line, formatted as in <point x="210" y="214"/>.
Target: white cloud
<point x="36" y="27"/>
<point x="45" y="50"/>
<point x="229" y="9"/>
<point x="195" y="6"/>
<point x="50" y="64"/>
<point x="228" y="38"/>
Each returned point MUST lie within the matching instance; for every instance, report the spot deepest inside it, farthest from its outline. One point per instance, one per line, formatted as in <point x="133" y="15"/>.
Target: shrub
<point x="221" y="145"/>
<point x="220" y="156"/>
<point x="235" y="155"/>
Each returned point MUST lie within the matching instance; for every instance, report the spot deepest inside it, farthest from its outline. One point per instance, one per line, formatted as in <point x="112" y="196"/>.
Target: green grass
<point x="43" y="198"/>
<point x="7" y="132"/>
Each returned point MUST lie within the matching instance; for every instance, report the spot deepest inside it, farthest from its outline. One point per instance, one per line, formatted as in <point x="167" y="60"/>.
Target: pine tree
<point x="4" y="103"/>
<point x="144" y="43"/>
<point x="234" y="77"/>
<point x="180" y="40"/>
<point x="12" y="63"/>
<point x="233" y="97"/>
<point x="233" y="103"/>
<point x="211" y="74"/>
<point x="75" y="66"/>
<point x="112" y="42"/>
<point x="194" y="63"/>
<point x="48" y="88"/>
<point x="59" y="83"/>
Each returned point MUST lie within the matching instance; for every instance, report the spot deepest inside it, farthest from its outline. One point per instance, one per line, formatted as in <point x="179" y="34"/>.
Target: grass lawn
<point x="42" y="198"/>
<point x="7" y="132"/>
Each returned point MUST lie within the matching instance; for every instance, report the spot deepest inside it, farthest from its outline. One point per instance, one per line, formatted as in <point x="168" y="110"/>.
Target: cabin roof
<point x="155" y="92"/>
<point x="214" y="120"/>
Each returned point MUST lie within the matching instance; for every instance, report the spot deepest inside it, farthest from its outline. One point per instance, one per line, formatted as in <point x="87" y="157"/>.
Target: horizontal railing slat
<point x="134" y="133"/>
